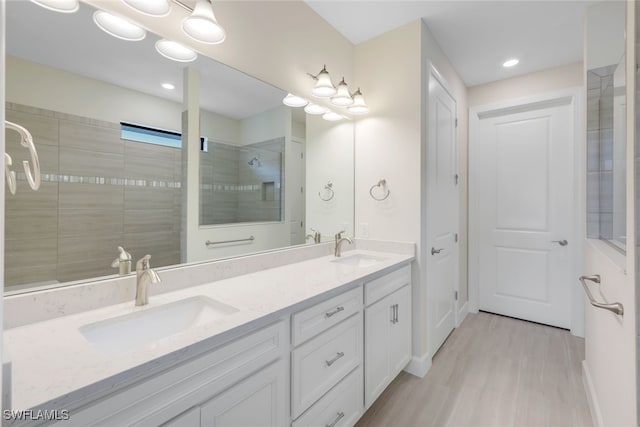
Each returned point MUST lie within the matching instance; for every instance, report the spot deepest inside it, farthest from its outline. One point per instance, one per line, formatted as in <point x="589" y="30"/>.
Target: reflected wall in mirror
<point x="606" y="124"/>
<point x="105" y="185"/>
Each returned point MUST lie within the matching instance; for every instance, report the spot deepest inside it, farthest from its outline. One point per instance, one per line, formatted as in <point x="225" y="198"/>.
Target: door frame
<point x="576" y="234"/>
<point x="459" y="314"/>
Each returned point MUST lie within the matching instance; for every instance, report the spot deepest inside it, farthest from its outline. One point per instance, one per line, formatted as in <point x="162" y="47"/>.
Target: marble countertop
<point x="54" y="366"/>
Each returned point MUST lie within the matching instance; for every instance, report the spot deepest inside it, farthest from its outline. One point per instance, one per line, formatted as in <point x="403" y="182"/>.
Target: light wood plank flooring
<point x="492" y="371"/>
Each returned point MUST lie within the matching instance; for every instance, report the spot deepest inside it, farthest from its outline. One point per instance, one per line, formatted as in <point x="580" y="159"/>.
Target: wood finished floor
<point x="492" y="371"/>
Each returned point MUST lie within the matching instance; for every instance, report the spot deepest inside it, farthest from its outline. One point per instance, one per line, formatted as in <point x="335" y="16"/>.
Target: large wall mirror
<point x="110" y="141"/>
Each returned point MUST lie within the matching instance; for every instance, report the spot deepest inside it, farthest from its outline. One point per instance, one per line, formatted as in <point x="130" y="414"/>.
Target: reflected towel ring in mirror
<point x="9" y="174"/>
<point x="33" y="176"/>
<point x="382" y="184"/>
<point x="328" y="188"/>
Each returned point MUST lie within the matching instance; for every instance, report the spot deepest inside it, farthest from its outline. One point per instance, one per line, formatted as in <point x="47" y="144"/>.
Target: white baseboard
<point x="592" y="397"/>
<point x="462" y="313"/>
<point x="472" y="307"/>
<point x="419" y="366"/>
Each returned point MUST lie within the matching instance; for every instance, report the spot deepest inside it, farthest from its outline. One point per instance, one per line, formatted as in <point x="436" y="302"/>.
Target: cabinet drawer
<point x="321" y="363"/>
<point x="340" y="407"/>
<point x="312" y="321"/>
<point x="160" y="397"/>
<point x="383" y="286"/>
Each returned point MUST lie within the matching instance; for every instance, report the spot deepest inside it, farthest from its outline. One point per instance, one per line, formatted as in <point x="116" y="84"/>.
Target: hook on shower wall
<point x="328" y="188"/>
<point x="32" y="174"/>
<point x="383" y="185"/>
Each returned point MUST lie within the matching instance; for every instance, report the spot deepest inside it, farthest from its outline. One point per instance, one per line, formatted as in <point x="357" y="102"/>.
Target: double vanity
<point x="313" y="342"/>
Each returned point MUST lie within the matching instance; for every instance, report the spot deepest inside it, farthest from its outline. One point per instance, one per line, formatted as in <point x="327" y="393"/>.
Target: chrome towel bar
<point x="615" y="307"/>
<point x="220" y="242"/>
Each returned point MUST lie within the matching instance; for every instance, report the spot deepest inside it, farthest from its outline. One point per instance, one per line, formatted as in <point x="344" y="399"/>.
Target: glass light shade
<point x="202" y="25"/>
<point x="294" y="101"/>
<point x="342" y="98"/>
<point x="315" y="109"/>
<point x="358" y="106"/>
<point x="175" y="51"/>
<point x="118" y="27"/>
<point x="150" y="7"/>
<point x="64" y="6"/>
<point x="323" y="88"/>
<point x="332" y="117"/>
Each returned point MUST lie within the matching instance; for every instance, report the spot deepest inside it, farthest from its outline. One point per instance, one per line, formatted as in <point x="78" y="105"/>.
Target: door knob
<point x="560" y="242"/>
<point x="436" y="251"/>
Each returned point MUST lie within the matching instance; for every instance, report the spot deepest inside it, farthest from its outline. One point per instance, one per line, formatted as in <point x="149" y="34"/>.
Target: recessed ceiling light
<point x="510" y="63"/>
<point x="175" y="51"/>
<point x="150" y="7"/>
<point x="292" y="100"/>
<point x="118" y="27"/>
<point x="168" y="86"/>
<point x="64" y="6"/>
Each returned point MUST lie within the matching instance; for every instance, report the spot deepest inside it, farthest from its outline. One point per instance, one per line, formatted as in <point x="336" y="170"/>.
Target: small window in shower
<point x="150" y="135"/>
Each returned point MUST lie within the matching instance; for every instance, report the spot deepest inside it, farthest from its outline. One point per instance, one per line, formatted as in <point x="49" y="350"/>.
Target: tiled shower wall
<point x="232" y="190"/>
<point x="98" y="192"/>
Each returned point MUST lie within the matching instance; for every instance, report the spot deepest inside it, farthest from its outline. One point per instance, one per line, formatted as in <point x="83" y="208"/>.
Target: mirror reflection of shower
<point x="255" y="162"/>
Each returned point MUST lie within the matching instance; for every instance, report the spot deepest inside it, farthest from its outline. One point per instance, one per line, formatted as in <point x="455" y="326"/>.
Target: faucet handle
<point x="143" y="263"/>
<point x="339" y="234"/>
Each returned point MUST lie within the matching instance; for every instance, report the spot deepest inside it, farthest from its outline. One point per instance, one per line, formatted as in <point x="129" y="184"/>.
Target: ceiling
<point x="72" y="42"/>
<point x="477" y="36"/>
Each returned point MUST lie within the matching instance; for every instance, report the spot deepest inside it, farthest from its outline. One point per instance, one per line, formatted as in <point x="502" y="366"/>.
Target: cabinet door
<point x="259" y="400"/>
<point x="191" y="418"/>
<point x="378" y="318"/>
<point x="400" y="333"/>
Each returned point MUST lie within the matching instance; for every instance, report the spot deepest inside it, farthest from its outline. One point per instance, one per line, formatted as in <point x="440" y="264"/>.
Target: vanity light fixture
<point x="358" y="106"/>
<point x="202" y="25"/>
<point x="292" y="100"/>
<point x="510" y="62"/>
<point x="342" y="98"/>
<point x="323" y="88"/>
<point x="168" y="86"/>
<point x="175" y="51"/>
<point x="315" y="109"/>
<point x="118" y="27"/>
<point x="332" y="117"/>
<point x="64" y="6"/>
<point x="150" y="7"/>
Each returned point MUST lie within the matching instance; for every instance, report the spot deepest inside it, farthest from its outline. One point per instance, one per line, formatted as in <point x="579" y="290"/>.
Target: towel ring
<point x="328" y="189"/>
<point x="33" y="176"/>
<point x="382" y="184"/>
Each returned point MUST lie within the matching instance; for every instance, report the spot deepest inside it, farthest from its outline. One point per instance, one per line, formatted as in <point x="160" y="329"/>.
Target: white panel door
<point x="523" y="181"/>
<point x="442" y="212"/>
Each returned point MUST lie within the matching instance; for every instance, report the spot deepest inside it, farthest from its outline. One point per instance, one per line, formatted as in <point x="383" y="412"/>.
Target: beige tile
<point x="96" y="251"/>
<point x="46" y="198"/>
<point x="149" y="161"/>
<point x="90" y="163"/>
<point x="80" y="222"/>
<point x="91" y="196"/>
<point x="82" y="136"/>
<point x="31" y="224"/>
<point x="150" y="220"/>
<point x="144" y="198"/>
<point x="44" y="129"/>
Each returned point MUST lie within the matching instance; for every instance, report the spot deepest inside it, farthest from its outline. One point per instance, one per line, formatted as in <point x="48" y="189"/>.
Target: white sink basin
<point x="358" y="260"/>
<point x="127" y="332"/>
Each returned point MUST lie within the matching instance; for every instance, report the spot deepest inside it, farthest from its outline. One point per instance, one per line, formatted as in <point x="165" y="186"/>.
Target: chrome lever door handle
<point x="436" y="251"/>
<point x="560" y="242"/>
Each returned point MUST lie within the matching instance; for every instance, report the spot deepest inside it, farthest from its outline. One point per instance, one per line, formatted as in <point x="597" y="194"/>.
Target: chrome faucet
<point x="145" y="275"/>
<point x="339" y="240"/>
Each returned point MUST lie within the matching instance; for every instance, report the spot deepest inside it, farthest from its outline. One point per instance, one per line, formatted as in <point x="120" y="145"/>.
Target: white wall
<point x="50" y="88"/>
<point x="391" y="142"/>
<point x="2" y="189"/>
<point x="330" y="158"/>
<point x="554" y="79"/>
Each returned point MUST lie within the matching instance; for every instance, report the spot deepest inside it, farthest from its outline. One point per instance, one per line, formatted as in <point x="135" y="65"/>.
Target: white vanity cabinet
<point x="234" y="384"/>
<point x="387" y="330"/>
<point x="326" y="363"/>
